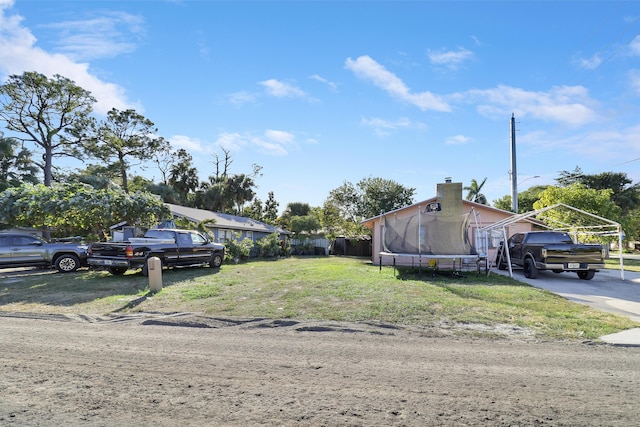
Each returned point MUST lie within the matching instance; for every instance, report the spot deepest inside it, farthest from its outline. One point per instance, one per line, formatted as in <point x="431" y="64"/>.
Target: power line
<point x="628" y="161"/>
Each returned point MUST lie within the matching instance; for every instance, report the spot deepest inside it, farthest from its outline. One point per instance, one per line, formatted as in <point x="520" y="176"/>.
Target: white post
<point x="154" y="267"/>
<point x="620" y="248"/>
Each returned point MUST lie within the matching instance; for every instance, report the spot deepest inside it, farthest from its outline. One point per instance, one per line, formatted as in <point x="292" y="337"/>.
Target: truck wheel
<point x="586" y="275"/>
<point x="145" y="268"/>
<point x="530" y="270"/>
<point x="216" y="260"/>
<point x="117" y="271"/>
<point x="500" y="259"/>
<point x="67" y="263"/>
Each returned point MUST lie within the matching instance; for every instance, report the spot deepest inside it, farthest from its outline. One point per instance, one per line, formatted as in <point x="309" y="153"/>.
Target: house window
<point x="225" y="235"/>
<point x="249" y="235"/>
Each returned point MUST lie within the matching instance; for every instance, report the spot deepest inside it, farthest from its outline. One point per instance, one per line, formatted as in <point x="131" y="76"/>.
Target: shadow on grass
<point x="443" y="277"/>
<point x="67" y="289"/>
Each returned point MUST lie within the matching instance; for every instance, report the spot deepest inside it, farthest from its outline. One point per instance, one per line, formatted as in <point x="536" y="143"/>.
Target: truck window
<point x="549" y="238"/>
<point x="24" y="241"/>
<point x="184" y="239"/>
<point x="517" y="238"/>
<point x="159" y="234"/>
<point x="198" y="239"/>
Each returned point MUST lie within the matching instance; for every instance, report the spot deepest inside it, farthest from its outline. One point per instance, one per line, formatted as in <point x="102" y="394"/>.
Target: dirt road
<point x="188" y="370"/>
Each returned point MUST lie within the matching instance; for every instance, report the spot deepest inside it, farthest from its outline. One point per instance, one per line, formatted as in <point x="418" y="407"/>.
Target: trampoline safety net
<point x="427" y="233"/>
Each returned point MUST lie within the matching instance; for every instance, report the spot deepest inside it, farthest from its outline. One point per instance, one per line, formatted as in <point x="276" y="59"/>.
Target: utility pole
<point x="514" y="171"/>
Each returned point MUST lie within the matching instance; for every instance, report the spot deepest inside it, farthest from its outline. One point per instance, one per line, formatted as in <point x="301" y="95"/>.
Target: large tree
<point x="240" y="190"/>
<point x="99" y="177"/>
<point x="71" y="209"/>
<point x="226" y="192"/>
<point x="126" y="136"/>
<point x="348" y="204"/>
<point x="526" y="199"/>
<point x="270" y="210"/>
<point x="16" y="166"/>
<point x="383" y="195"/>
<point x="52" y="114"/>
<point x="596" y="202"/>
<point x="183" y="176"/>
<point x="625" y="194"/>
<point x="369" y="197"/>
<point x="301" y="218"/>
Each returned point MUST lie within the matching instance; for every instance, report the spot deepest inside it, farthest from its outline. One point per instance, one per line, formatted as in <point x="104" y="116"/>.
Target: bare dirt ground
<point x="190" y="370"/>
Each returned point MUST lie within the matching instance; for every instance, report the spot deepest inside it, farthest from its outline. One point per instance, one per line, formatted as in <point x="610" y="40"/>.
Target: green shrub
<point x="269" y="246"/>
<point x="238" y="250"/>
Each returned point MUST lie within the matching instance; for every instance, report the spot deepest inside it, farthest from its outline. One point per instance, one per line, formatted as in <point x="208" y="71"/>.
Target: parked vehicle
<point x="173" y="247"/>
<point x="551" y="250"/>
<point x="26" y="250"/>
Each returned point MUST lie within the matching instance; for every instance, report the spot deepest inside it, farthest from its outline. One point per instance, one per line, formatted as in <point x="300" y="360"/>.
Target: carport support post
<point x="505" y="251"/>
<point x="620" y="249"/>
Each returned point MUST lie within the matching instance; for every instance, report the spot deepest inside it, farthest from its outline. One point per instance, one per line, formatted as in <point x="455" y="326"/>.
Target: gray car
<point x="26" y="250"/>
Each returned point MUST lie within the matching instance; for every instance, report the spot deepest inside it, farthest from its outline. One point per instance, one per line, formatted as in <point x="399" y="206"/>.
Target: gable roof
<point x="223" y="220"/>
<point x="467" y="203"/>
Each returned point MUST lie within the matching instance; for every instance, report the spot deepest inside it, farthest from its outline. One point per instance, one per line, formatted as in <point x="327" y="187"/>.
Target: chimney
<point x="449" y="195"/>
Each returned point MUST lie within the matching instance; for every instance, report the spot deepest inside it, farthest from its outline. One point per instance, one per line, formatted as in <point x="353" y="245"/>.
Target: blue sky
<point x="318" y="93"/>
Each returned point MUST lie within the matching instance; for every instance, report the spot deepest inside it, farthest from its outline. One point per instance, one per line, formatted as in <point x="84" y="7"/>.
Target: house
<point x="224" y="226"/>
<point x="439" y="230"/>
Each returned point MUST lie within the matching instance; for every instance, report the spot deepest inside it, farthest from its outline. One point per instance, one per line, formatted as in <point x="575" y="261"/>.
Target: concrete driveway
<point x="606" y="291"/>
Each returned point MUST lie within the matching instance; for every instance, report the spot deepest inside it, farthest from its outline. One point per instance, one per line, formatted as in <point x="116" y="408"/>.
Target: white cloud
<point x="364" y="67"/>
<point x="450" y="58"/>
<point x="188" y="143"/>
<point x="458" y="140"/>
<point x="590" y="63"/>
<point x="332" y="85"/>
<point x="240" y="98"/>
<point x="231" y="141"/>
<point x="19" y="53"/>
<point x="272" y="87"/>
<point x="269" y="147"/>
<point x="276" y="142"/>
<point x="271" y="142"/>
<point x="280" y="136"/>
<point x="570" y="105"/>
<point x="634" y="80"/>
<point x="280" y="89"/>
<point x="634" y="46"/>
<point x="102" y="36"/>
<point x="384" y="127"/>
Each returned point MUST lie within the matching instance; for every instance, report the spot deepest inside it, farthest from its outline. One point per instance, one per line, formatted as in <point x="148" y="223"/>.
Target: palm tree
<point x="474" y="192"/>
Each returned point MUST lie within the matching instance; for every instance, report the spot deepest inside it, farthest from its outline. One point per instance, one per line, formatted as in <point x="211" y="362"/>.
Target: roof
<point x="579" y="220"/>
<point x="223" y="220"/>
<point x="434" y="199"/>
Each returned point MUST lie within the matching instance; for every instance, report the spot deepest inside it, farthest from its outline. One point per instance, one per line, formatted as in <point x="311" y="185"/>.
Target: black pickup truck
<point x="551" y="250"/>
<point x="173" y="247"/>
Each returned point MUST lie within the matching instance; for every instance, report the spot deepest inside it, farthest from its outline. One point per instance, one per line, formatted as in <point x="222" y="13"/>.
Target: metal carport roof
<point x="581" y="222"/>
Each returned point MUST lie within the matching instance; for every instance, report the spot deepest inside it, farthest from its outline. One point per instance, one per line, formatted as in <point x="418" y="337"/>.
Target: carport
<point x="584" y="226"/>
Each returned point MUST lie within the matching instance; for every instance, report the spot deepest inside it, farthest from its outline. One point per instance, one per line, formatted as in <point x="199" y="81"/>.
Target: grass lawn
<point x="628" y="264"/>
<point x="314" y="288"/>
